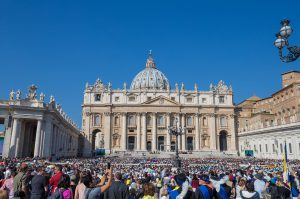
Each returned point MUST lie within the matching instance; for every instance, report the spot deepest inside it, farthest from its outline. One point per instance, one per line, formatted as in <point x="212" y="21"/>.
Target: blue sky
<point x="59" y="45"/>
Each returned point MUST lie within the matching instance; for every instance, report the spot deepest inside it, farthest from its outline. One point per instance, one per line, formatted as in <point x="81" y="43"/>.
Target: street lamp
<point x="177" y="131"/>
<point x="283" y="40"/>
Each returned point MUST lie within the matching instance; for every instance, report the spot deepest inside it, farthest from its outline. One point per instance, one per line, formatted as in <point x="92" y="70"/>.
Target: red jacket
<point x="55" y="180"/>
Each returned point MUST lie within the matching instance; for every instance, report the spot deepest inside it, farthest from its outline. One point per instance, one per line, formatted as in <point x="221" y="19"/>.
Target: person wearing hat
<point x="182" y="188"/>
<point x="205" y="190"/>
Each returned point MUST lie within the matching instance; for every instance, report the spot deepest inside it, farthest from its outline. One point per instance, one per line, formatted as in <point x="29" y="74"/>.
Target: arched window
<point x="160" y="120"/>
<point x="97" y="120"/>
<point x="189" y="121"/>
<point x="223" y="121"/>
<point x="131" y="120"/>
<point x="116" y="121"/>
<point x="204" y="121"/>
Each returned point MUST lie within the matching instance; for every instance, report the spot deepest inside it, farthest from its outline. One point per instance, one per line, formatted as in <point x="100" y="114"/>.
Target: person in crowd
<point x="80" y="188"/>
<point x="56" y="177"/>
<point x="118" y="190"/>
<point x="148" y="191"/>
<point x="259" y="183"/>
<point x="63" y="190"/>
<point x="204" y="190"/>
<point x="195" y="182"/>
<point x="250" y="192"/>
<point x="182" y="188"/>
<point x="240" y="187"/>
<point x="4" y="194"/>
<point x="94" y="191"/>
<point x="39" y="188"/>
<point x="8" y="184"/>
<point x="21" y="189"/>
<point x="73" y="184"/>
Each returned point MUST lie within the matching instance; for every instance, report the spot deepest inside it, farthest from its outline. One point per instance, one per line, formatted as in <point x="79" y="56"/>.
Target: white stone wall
<point x="277" y="135"/>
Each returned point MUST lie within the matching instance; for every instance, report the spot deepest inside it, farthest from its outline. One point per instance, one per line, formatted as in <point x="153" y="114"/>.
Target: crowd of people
<point x="135" y="178"/>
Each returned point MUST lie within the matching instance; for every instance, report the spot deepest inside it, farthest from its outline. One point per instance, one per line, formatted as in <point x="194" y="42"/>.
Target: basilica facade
<point x="137" y="118"/>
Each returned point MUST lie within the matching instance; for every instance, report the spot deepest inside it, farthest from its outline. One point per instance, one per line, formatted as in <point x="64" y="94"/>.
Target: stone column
<point x="20" y="139"/>
<point x="124" y="132"/>
<point x="48" y="138"/>
<point x="233" y="136"/>
<point x="41" y="149"/>
<point x="197" y="133"/>
<point x="154" y="133"/>
<point x="37" y="138"/>
<point x="13" y="141"/>
<point x="212" y="129"/>
<point x="144" y="131"/>
<point x="138" y="132"/>
<point x="168" y="134"/>
<point x="53" y="151"/>
<point x="107" y="131"/>
<point x="183" y="137"/>
<point x="179" y="137"/>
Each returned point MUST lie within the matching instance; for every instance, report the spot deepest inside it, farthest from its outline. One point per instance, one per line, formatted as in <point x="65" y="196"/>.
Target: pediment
<point x="161" y="101"/>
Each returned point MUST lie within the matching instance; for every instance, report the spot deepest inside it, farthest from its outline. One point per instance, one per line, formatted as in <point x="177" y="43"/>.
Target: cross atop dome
<point x="150" y="61"/>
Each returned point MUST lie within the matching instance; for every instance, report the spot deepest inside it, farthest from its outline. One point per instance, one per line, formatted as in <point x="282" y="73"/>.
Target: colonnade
<point x="40" y="137"/>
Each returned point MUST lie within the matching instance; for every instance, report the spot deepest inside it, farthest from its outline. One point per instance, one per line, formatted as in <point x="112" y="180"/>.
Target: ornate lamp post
<point x="283" y="40"/>
<point x="177" y="131"/>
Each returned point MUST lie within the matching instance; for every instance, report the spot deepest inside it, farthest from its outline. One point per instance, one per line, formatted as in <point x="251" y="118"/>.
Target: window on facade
<point x="290" y="148"/>
<point x="204" y="121"/>
<point x="148" y="130"/>
<point x="97" y="121"/>
<point x="221" y="100"/>
<point x="117" y="121"/>
<point x="173" y="98"/>
<point x="260" y="148"/>
<point x="203" y="100"/>
<point x="281" y="148"/>
<point x="149" y="120"/>
<point x="83" y="122"/>
<point x="266" y="148"/>
<point x="131" y="120"/>
<point x="254" y="147"/>
<point x="160" y="120"/>
<point x="273" y="146"/>
<point x="131" y="131"/>
<point x="97" y="97"/>
<point x="189" y="99"/>
<point x="223" y="121"/>
<point x="117" y="99"/>
<point x="189" y="121"/>
<point x="131" y="98"/>
<point x="190" y="131"/>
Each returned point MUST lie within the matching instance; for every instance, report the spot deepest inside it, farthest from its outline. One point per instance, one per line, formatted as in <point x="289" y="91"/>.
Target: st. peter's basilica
<point x="137" y="118"/>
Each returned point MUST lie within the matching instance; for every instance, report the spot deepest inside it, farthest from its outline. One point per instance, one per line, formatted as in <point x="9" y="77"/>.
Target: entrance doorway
<point x="161" y="143"/>
<point x="131" y="143"/>
<point x="149" y="145"/>
<point x="190" y="143"/>
<point x="223" y="141"/>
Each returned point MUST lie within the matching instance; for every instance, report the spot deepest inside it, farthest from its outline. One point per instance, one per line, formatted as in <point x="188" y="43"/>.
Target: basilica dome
<point x="150" y="78"/>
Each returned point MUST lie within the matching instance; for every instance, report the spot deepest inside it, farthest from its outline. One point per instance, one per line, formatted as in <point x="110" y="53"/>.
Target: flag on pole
<point x="285" y="166"/>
